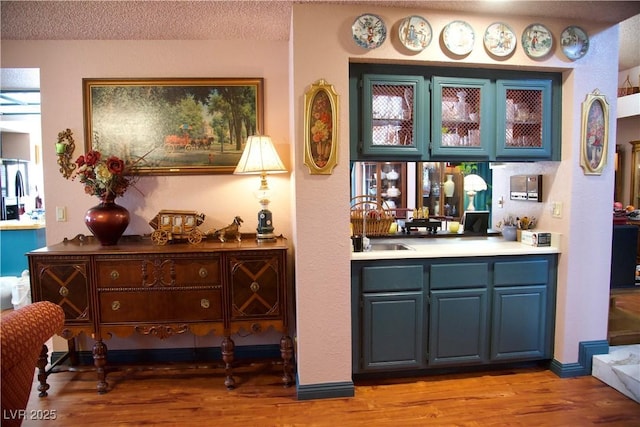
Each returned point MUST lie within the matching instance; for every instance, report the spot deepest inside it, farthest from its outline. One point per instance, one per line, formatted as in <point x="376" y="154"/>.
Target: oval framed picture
<point x="537" y="41"/>
<point x="458" y="37"/>
<point x="415" y="33"/>
<point x="499" y="39"/>
<point x="369" y="31"/>
<point x="574" y="42"/>
<point x="321" y="128"/>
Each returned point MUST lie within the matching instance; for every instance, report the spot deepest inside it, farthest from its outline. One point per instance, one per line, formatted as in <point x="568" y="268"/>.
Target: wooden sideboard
<point x="137" y="287"/>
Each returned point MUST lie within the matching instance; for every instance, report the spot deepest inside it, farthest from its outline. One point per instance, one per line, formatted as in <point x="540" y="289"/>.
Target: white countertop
<point x="455" y="247"/>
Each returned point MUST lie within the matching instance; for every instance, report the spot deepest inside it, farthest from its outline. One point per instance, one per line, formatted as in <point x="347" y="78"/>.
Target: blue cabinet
<point x="463" y="115"/>
<point x="479" y="311"/>
<point x="389" y="306"/>
<point x="523" y="119"/>
<point x="522" y="314"/>
<point x="15" y="243"/>
<point x="419" y="113"/>
<point x="393" y="116"/>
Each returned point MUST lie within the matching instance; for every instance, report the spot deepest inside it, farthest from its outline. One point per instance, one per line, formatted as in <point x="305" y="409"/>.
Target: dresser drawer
<point x="161" y="306"/>
<point x="161" y="271"/>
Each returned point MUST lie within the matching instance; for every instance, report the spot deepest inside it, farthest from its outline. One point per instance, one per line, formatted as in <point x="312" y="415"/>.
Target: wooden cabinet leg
<point x="286" y="351"/>
<point x="99" y="361"/>
<point x="228" y="347"/>
<point x="42" y="371"/>
<point x="73" y="353"/>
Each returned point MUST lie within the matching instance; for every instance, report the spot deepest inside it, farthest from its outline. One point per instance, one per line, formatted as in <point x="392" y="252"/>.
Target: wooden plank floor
<point x="195" y="396"/>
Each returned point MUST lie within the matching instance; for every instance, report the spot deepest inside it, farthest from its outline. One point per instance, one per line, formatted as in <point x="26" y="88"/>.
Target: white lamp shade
<point x="259" y="156"/>
<point x="474" y="182"/>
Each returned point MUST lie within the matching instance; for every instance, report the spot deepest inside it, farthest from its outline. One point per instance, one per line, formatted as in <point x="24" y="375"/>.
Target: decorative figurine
<point x="231" y="231"/>
<point x="176" y="225"/>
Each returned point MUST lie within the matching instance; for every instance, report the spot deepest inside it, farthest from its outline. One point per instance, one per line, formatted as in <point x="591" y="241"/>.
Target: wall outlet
<point x="61" y="213"/>
<point x="556" y="209"/>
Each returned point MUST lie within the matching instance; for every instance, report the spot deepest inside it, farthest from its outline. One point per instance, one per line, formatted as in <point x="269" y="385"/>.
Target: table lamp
<point x="260" y="157"/>
<point x="472" y="184"/>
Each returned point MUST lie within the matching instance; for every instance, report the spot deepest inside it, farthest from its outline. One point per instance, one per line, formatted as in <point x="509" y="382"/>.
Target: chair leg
<point x="42" y="372"/>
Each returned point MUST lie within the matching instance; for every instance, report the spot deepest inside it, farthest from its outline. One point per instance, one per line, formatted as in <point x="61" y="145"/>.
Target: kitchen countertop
<point x="455" y="247"/>
<point x="23" y="224"/>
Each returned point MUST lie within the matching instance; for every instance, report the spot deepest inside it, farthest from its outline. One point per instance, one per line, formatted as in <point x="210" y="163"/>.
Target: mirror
<point x="405" y="186"/>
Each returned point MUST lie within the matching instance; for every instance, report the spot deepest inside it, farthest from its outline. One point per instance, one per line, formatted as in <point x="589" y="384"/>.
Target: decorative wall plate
<point x="537" y="41"/>
<point x="415" y="33"/>
<point x="499" y="39"/>
<point x="574" y="42"/>
<point x="458" y="37"/>
<point x="369" y="31"/>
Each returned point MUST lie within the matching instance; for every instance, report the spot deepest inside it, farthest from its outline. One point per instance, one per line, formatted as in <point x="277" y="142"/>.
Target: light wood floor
<point x="195" y="396"/>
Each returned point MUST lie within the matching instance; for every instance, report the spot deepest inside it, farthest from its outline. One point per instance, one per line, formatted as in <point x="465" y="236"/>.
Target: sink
<point x="390" y="247"/>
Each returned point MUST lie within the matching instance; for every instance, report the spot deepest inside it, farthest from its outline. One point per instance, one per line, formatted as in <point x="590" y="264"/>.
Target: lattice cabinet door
<point x="523" y="127"/>
<point x="256" y="286"/>
<point x="463" y="114"/>
<point x="394" y="116"/>
<point x="66" y="283"/>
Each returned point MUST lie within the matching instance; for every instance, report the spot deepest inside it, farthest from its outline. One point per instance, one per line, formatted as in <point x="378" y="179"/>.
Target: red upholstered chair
<point x="22" y="336"/>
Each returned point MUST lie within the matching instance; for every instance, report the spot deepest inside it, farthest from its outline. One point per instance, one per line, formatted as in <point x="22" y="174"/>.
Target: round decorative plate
<point x="574" y="42"/>
<point x="369" y="31"/>
<point x="415" y="33"/>
<point x="458" y="37"/>
<point x="537" y="41"/>
<point x="499" y="39"/>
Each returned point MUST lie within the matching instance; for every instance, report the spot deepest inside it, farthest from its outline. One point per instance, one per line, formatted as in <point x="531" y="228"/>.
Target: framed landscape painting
<point x="173" y="126"/>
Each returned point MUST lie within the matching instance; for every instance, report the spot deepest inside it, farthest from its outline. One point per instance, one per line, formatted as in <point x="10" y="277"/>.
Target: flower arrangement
<point x="102" y="177"/>
<point x="321" y="129"/>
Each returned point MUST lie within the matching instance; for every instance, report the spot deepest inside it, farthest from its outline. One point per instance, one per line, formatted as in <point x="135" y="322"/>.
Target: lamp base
<point x="265" y="227"/>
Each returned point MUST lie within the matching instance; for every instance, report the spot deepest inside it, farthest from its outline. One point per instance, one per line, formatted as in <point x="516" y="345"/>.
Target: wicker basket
<point x="378" y="218"/>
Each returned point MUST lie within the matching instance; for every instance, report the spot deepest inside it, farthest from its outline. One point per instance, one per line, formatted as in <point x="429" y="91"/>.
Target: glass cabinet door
<point x="523" y="127"/>
<point x="461" y="118"/>
<point x="390" y="107"/>
<point x="440" y="189"/>
<point x="384" y="182"/>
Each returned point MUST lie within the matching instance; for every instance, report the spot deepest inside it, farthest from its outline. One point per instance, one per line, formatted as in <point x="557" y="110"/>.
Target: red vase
<point x="107" y="221"/>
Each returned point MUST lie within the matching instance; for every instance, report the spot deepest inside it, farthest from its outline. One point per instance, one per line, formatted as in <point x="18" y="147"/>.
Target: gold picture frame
<point x="321" y="128"/>
<point x="594" y="140"/>
<point x="173" y="126"/>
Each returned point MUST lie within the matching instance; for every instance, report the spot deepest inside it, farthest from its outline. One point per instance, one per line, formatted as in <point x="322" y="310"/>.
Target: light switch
<point x="556" y="211"/>
<point x="61" y="213"/>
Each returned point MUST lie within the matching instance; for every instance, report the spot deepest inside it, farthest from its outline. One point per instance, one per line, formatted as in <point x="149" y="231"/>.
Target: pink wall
<point x="313" y="210"/>
<point x="322" y="48"/>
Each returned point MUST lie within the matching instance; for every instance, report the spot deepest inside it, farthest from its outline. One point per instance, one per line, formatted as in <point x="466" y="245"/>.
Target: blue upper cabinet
<point x="463" y="113"/>
<point x="394" y="117"/>
<point x="523" y="119"/>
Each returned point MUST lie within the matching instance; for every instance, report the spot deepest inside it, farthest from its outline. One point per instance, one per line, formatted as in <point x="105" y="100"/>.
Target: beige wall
<point x="314" y="210"/>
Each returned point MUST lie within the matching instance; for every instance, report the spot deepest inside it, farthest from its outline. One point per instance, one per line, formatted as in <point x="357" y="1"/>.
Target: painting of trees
<point x="181" y="126"/>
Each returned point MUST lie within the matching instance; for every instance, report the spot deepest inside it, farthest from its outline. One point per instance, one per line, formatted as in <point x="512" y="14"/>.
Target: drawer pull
<point x="115" y="275"/>
<point x="255" y="286"/>
<point x="203" y="272"/>
<point x="115" y="306"/>
<point x="204" y="303"/>
<point x="64" y="291"/>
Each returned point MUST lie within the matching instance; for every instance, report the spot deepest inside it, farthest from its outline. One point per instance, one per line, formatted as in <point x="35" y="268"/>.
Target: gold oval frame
<point x="594" y="140"/>
<point x="321" y="128"/>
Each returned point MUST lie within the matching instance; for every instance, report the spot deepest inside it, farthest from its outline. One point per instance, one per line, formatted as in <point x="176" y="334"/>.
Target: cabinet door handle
<point x="115" y="305"/>
<point x="64" y="291"/>
<point x="114" y="275"/>
<point x="204" y="303"/>
<point x="203" y="272"/>
<point x="255" y="286"/>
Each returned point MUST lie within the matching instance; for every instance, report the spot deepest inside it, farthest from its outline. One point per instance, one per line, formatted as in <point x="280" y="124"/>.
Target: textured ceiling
<point x="266" y="20"/>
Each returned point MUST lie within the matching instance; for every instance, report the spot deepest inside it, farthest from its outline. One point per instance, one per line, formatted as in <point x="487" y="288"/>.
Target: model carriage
<point x="172" y="225"/>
